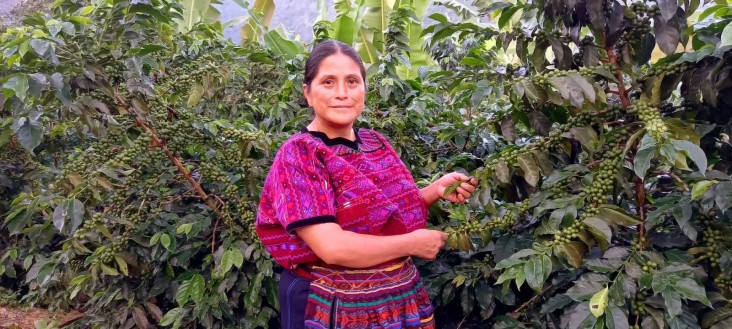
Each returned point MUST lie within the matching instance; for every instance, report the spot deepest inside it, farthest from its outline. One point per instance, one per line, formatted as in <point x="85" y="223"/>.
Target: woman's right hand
<point x="427" y="243"/>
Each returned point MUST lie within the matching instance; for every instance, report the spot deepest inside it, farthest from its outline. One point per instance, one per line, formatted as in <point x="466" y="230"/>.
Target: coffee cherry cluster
<point x="723" y="281"/>
<point x="544" y="78"/>
<point x="88" y="225"/>
<point x="126" y="156"/>
<point x="640" y="8"/>
<point x="712" y="240"/>
<point x="114" y="71"/>
<point x="649" y="266"/>
<point x="108" y="251"/>
<point x="558" y="190"/>
<point x="602" y="183"/>
<point x="667" y="69"/>
<point x="569" y="233"/>
<point x="509" y="218"/>
<point x="213" y="172"/>
<point x="192" y="72"/>
<point x="638" y="305"/>
<point x="471" y="226"/>
<point x="640" y="22"/>
<point x="639" y="243"/>
<point x="651" y="117"/>
<point x="250" y="224"/>
<point x="241" y="135"/>
<point x="580" y="120"/>
<point x="578" y="58"/>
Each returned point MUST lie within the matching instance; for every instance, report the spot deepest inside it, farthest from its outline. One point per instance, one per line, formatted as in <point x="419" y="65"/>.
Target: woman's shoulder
<point x="298" y="144"/>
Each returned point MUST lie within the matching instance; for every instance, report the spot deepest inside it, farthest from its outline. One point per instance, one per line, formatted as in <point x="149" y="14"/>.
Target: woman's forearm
<point x="339" y="247"/>
<point x="430" y="194"/>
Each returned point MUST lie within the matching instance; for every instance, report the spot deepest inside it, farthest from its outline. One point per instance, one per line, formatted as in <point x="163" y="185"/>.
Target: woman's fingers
<point x="468" y="187"/>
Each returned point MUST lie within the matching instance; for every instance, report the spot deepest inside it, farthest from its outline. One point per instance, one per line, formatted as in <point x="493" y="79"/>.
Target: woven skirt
<point x="385" y="297"/>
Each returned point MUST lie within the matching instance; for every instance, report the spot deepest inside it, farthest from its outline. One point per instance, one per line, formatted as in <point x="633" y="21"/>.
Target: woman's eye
<point x="353" y="81"/>
<point x="328" y="82"/>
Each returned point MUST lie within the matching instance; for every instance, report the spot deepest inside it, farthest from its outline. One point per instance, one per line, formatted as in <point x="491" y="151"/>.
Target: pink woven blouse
<point x="361" y="185"/>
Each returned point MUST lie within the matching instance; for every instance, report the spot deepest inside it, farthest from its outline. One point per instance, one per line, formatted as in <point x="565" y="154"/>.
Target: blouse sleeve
<point x="302" y="195"/>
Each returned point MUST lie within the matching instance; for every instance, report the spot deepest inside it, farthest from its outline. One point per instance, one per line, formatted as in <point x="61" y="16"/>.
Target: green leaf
<point x="600" y="230"/>
<point x="165" y="241"/>
<point x="16" y="85"/>
<point x="575" y="252"/>
<point x="502" y="172"/>
<point x="571" y="90"/>
<point x="667" y="34"/>
<point x="617" y="318"/>
<point x="604" y="265"/>
<point x="508" y="129"/>
<point x="108" y="270"/>
<point x="598" y="303"/>
<point x="531" y="170"/>
<point x="694" y="152"/>
<point x="184" y="228"/>
<point x="231" y="257"/>
<point x="506" y="15"/>
<point x="715" y="316"/>
<point x="520" y="278"/>
<point x="585" y="85"/>
<point x="254" y="287"/>
<point x="184" y="292"/>
<point x="616" y="215"/>
<point x="642" y="161"/>
<point x="121" y="264"/>
<point x="195" y="95"/>
<point x="173" y="315"/>
<point x="667" y="8"/>
<point x="197" y="288"/>
<point x="452" y="188"/>
<point x="69" y="212"/>
<point x="690" y="289"/>
<point x="554" y="303"/>
<point x="29" y="132"/>
<point x="673" y="302"/>
<point x="261" y="14"/>
<point x="586" y="136"/>
<point x="700" y="188"/>
<point x="726" y="37"/>
<point x="535" y="270"/>
<point x="344" y="29"/>
<point x="281" y="46"/>
<point x="81" y="20"/>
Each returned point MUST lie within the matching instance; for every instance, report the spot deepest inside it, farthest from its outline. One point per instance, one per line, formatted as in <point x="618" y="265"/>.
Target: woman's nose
<point x="341" y="91"/>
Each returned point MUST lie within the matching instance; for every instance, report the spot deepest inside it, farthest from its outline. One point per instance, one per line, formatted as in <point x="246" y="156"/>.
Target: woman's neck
<point x="333" y="132"/>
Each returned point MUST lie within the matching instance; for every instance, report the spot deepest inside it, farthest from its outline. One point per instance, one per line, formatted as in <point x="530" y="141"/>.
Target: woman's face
<point x="337" y="92"/>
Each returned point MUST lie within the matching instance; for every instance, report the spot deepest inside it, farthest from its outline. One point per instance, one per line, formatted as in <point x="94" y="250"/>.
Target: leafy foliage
<point x="133" y="153"/>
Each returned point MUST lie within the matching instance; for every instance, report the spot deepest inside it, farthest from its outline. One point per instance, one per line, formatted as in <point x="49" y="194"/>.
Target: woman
<point x="342" y="214"/>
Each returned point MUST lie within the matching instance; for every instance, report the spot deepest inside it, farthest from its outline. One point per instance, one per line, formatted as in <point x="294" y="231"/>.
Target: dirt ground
<point x="13" y="10"/>
<point x="14" y="318"/>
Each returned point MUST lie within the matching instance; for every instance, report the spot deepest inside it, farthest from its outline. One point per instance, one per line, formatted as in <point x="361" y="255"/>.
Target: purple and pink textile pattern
<point x="361" y="185"/>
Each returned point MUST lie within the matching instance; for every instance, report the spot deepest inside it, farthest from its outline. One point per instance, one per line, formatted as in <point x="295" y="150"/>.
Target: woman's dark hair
<point x="325" y="49"/>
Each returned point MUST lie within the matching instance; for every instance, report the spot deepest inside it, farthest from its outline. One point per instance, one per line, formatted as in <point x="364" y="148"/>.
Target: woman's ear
<point x="306" y="92"/>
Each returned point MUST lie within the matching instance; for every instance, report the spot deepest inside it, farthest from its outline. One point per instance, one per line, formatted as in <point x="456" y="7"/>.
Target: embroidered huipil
<point x="361" y="185"/>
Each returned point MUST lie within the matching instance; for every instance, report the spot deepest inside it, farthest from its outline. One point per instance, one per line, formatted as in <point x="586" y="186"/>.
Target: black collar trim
<point x="335" y="141"/>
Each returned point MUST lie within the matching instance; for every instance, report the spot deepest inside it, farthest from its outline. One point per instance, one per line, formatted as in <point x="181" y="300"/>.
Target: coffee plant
<point x="133" y="156"/>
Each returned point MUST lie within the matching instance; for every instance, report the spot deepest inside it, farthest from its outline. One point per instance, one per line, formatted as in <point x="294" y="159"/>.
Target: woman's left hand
<point x="462" y="193"/>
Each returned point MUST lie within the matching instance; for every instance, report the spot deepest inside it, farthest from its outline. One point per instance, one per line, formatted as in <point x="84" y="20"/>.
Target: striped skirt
<point x="387" y="297"/>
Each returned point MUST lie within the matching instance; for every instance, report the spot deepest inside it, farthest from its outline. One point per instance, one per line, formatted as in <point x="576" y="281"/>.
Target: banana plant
<point x="362" y="23"/>
<point x="198" y="11"/>
<point x="265" y="8"/>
